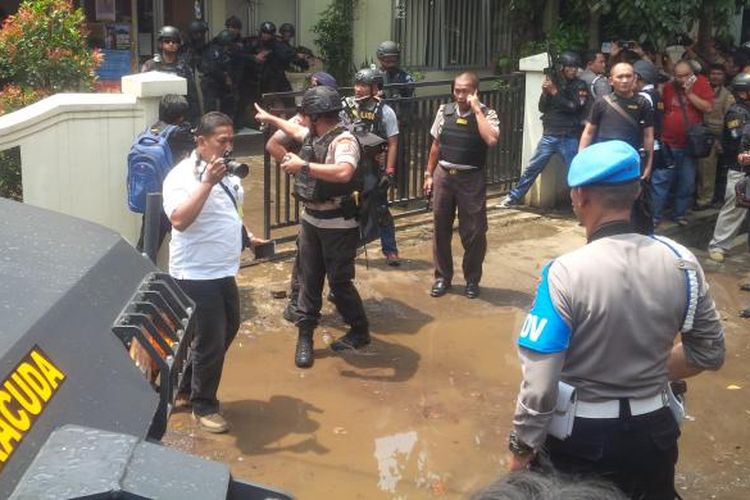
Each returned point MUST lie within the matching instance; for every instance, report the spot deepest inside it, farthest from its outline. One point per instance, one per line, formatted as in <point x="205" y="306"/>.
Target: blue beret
<point x="610" y="162"/>
<point x="325" y="79"/>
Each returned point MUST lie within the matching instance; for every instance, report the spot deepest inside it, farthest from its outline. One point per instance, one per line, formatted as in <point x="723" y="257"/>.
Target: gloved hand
<point x="386" y="182"/>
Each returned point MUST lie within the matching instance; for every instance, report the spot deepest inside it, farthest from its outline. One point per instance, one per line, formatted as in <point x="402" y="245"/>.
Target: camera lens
<point x="237" y="169"/>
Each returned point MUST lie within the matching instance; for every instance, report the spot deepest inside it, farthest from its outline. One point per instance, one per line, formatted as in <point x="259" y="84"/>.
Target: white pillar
<point x="551" y="184"/>
<point x="148" y="88"/>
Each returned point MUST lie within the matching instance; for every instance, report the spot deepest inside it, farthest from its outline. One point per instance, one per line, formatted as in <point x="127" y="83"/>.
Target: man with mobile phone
<point x="462" y="133"/>
<point x="686" y="99"/>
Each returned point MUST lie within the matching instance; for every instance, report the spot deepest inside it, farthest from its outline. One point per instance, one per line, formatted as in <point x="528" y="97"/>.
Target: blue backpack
<point x="149" y="162"/>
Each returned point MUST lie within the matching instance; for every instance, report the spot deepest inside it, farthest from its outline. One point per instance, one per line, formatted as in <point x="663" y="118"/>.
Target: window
<point x="446" y="34"/>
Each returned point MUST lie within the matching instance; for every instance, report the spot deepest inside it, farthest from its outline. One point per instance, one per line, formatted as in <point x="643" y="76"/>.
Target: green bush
<point x="336" y="39"/>
<point x="43" y="50"/>
<point x="44" y="47"/>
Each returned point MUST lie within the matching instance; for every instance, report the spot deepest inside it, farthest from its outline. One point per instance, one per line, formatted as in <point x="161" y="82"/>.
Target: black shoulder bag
<point x="700" y="140"/>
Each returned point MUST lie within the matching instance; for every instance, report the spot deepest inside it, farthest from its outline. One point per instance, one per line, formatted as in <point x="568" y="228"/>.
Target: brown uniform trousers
<point x="465" y="192"/>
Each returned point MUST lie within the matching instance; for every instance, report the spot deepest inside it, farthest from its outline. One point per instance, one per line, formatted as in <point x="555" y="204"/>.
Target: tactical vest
<point x="737" y="118"/>
<point x="315" y="190"/>
<point x="366" y="115"/>
<point x="460" y="141"/>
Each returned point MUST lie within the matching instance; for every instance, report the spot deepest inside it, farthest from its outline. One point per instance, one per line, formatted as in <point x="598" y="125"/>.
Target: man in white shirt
<point x="203" y="204"/>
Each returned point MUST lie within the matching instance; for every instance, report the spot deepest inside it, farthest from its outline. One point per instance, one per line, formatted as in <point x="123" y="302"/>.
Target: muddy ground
<point x="426" y="410"/>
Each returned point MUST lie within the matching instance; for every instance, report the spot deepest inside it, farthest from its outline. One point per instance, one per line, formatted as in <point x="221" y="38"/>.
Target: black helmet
<point x="225" y="37"/>
<point x="319" y="100"/>
<point x="388" y="48"/>
<point x="198" y="27"/>
<point x="169" y="33"/>
<point x="287" y="28"/>
<point x="741" y="83"/>
<point x="646" y="70"/>
<point x="369" y="76"/>
<point x="268" y="27"/>
<point x="570" y="59"/>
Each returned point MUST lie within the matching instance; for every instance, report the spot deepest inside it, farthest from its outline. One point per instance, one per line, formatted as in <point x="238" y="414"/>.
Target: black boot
<point x="290" y="311"/>
<point x="357" y="337"/>
<point x="303" y="357"/>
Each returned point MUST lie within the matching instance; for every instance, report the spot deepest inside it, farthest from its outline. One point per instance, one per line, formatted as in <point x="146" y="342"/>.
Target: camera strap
<point x="618" y="109"/>
<point x="233" y="198"/>
<point x="245" y="235"/>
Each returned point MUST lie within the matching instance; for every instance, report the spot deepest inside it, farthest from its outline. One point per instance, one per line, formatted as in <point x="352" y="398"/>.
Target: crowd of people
<point x="687" y="119"/>
<point x="626" y="140"/>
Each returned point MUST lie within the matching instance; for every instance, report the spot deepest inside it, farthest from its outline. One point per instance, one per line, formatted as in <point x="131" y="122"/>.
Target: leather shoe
<point x="472" y="290"/>
<point x="439" y="288"/>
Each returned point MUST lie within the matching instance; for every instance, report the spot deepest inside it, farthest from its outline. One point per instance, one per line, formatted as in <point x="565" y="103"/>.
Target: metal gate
<point x="504" y="93"/>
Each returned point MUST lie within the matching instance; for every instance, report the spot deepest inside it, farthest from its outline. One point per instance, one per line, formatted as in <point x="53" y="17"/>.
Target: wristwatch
<point x="518" y="447"/>
<point x="427" y="174"/>
<point x="305" y="168"/>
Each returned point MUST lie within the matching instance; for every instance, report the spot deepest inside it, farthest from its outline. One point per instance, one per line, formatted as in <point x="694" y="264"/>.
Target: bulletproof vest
<point x="460" y="141"/>
<point x="366" y="115"/>
<point x="316" y="190"/>
<point x="735" y="122"/>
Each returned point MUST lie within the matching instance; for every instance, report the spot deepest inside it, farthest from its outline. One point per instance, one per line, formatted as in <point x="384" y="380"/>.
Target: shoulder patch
<point x="544" y="330"/>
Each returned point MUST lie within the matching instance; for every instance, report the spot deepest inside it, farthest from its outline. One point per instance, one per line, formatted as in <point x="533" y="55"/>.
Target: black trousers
<point x="466" y="193"/>
<point x="331" y="253"/>
<point x="638" y="454"/>
<point x="217" y="314"/>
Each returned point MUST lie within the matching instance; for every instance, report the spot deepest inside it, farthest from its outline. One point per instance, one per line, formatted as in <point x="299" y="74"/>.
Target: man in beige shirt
<point x="714" y="120"/>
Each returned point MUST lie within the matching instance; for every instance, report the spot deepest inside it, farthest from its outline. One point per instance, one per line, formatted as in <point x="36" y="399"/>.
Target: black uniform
<point x="217" y="84"/>
<point x="403" y="111"/>
<point x="180" y="68"/>
<point x="562" y="113"/>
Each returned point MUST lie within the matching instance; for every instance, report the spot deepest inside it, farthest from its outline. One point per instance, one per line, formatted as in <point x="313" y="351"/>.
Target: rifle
<point x="552" y="71"/>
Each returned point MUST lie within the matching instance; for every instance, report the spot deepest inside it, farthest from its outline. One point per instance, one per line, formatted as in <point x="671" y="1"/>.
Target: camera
<point x="235" y="167"/>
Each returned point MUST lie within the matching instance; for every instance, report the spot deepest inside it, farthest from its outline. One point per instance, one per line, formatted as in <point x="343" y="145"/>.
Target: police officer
<point x="218" y="85"/>
<point x="462" y="133"/>
<point x="736" y="141"/>
<point x="287" y="33"/>
<point x="369" y="113"/>
<point x="389" y="57"/>
<point x="169" y="60"/>
<point x="582" y="335"/>
<point x="192" y="53"/>
<point x="279" y="56"/>
<point x="325" y="180"/>
<point x="562" y="103"/>
<point x="388" y="54"/>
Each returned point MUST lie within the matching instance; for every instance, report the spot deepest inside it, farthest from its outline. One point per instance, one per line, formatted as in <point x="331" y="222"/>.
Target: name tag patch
<point x="462" y="121"/>
<point x="544" y="330"/>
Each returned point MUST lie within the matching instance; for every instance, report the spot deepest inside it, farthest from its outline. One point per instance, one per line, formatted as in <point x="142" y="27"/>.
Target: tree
<point x="656" y="21"/>
<point x="43" y="50"/>
<point x="336" y="38"/>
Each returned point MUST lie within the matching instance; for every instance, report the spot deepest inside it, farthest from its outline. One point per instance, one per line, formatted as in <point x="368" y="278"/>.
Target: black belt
<point x="454" y="171"/>
<point x="325" y="214"/>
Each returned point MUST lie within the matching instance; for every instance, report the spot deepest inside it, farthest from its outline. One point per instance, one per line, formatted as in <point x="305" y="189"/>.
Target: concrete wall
<point x="551" y="186"/>
<point x="74" y="148"/>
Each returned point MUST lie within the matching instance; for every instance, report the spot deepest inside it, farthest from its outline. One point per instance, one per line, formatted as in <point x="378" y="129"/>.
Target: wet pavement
<point x="425" y="410"/>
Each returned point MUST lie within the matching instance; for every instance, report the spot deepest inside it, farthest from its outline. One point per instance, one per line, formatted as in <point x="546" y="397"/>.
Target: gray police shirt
<point x="604" y="321"/>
